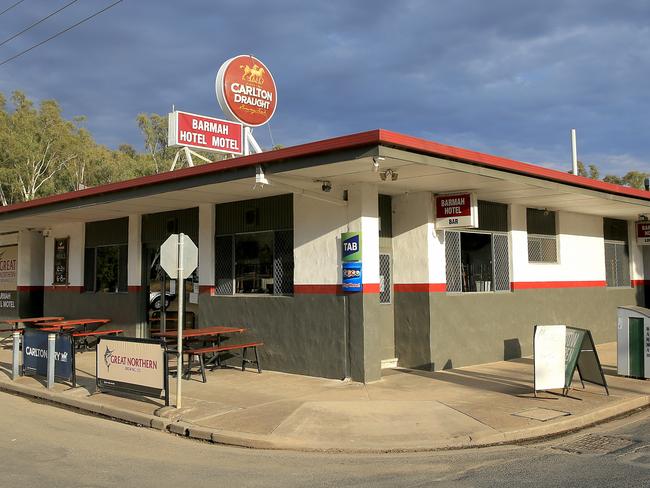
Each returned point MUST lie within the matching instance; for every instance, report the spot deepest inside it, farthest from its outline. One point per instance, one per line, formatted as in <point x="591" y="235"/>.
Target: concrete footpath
<point x="407" y="410"/>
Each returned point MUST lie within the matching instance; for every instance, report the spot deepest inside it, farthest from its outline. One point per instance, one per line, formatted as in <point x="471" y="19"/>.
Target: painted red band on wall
<point x="134" y="288"/>
<point x="530" y="285"/>
<point x="206" y="289"/>
<point x="636" y="283"/>
<point x="420" y="287"/>
<point x="75" y="289"/>
<point x="370" y="288"/>
<point x="29" y="288"/>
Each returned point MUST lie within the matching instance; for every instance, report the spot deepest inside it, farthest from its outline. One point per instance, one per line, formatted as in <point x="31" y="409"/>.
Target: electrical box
<point x="633" y="344"/>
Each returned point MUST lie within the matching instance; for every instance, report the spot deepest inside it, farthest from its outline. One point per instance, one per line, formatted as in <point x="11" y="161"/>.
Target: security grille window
<point x="617" y="258"/>
<point x="478" y="261"/>
<point x="542" y="236"/>
<point x="256" y="254"/>
<point x="106" y="256"/>
<point x="384" y="278"/>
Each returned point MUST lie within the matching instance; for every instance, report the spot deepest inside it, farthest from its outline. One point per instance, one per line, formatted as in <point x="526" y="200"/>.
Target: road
<point x="42" y="445"/>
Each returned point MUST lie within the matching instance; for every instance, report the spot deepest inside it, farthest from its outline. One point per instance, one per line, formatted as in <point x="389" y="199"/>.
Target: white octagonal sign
<point x="169" y="256"/>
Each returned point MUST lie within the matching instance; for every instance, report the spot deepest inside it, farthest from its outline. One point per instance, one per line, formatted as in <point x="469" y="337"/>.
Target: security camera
<point x="326" y="186"/>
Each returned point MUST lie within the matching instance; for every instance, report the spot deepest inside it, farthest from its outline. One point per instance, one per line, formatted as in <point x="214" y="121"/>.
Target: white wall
<point x="76" y="232"/>
<point x="581" y="251"/>
<point x="637" y="271"/>
<point x="206" y="244"/>
<point x="363" y="215"/>
<point x="30" y="258"/>
<point x="8" y="239"/>
<point x="317" y="241"/>
<point x="418" y="250"/>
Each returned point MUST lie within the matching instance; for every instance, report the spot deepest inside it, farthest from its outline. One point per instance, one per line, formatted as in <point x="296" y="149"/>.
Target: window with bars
<point x="542" y="236"/>
<point x="384" y="279"/>
<point x="617" y="259"/>
<point x="478" y="261"/>
<point x="106" y="256"/>
<point x="254" y="246"/>
<point x="254" y="263"/>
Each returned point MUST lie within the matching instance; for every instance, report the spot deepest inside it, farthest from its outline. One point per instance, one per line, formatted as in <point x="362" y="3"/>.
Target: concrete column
<point x="135" y="252"/>
<point x="206" y="245"/>
<point x="419" y="271"/>
<point x="364" y="340"/>
<point x="134" y="272"/>
<point x="29" y="288"/>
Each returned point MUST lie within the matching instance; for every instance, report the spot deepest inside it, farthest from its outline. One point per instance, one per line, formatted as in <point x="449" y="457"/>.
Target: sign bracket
<point x="188" y="157"/>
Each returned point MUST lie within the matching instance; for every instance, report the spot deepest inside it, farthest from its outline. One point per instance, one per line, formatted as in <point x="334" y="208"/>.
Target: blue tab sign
<point x="351" y="246"/>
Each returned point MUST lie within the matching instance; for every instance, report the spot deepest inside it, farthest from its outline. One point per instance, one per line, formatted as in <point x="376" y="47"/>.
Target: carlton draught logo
<point x="246" y="90"/>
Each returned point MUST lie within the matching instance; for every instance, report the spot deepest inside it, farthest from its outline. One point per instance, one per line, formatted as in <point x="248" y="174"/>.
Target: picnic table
<point x="15" y="323"/>
<point x="81" y="329"/>
<point x="212" y="337"/>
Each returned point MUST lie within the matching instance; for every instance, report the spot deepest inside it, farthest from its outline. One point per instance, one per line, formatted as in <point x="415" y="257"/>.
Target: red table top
<point x="32" y="320"/>
<point x="73" y="322"/>
<point x="204" y="331"/>
<point x="57" y="328"/>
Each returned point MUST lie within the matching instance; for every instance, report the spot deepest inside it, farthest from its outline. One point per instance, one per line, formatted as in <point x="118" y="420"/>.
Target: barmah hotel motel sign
<point x="246" y="93"/>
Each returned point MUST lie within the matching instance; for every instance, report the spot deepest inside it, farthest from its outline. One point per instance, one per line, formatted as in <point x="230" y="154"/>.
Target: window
<point x="254" y="247"/>
<point x="106" y="256"/>
<point x="384" y="278"/>
<point x="617" y="258"/>
<point x="478" y="261"/>
<point x="106" y="268"/>
<point x="542" y="236"/>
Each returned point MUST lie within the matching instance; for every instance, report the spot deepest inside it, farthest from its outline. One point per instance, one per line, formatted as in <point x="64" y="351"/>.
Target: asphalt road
<point x="42" y="445"/>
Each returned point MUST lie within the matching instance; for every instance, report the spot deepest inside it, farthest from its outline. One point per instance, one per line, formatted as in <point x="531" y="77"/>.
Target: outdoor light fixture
<point x="643" y="217"/>
<point x="389" y="174"/>
<point x="375" y="163"/>
<point x="326" y="185"/>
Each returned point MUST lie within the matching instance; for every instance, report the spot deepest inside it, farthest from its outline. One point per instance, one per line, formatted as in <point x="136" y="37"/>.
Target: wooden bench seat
<point x="97" y="333"/>
<point x="200" y="351"/>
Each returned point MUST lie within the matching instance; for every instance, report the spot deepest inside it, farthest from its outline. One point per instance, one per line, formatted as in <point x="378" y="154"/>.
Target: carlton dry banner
<point x="643" y="233"/>
<point x="131" y="365"/>
<point x="35" y="354"/>
<point x="207" y="133"/>
<point x="457" y="210"/>
<point x="246" y="90"/>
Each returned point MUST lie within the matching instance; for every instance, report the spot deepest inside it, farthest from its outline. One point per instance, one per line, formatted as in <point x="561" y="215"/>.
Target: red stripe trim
<point x="374" y="137"/>
<point x="368" y="288"/>
<point x="76" y="289"/>
<point x="640" y="283"/>
<point x="134" y="288"/>
<point x="29" y="288"/>
<point x="529" y="285"/>
<point x="206" y="289"/>
<point x="420" y="287"/>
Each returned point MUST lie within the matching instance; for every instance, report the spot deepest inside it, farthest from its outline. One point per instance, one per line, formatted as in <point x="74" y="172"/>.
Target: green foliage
<point x="42" y="153"/>
<point x="633" y="179"/>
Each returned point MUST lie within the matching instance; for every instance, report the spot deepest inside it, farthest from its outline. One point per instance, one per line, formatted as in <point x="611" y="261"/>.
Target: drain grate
<point x="595" y="444"/>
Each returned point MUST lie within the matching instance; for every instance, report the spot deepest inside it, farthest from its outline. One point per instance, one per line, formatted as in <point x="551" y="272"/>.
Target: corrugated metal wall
<point x="492" y="216"/>
<point x="261" y="214"/>
<point x="107" y="232"/>
<point x="157" y="227"/>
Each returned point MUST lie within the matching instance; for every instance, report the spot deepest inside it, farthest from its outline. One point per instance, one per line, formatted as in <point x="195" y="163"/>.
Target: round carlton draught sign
<point x="246" y="90"/>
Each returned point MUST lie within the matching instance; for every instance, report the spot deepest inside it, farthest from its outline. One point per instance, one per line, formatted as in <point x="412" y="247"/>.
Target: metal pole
<point x="247" y="147"/>
<point x="181" y="315"/>
<point x="15" y="371"/>
<point x="51" y="341"/>
<point x="574" y="151"/>
<point x="163" y="300"/>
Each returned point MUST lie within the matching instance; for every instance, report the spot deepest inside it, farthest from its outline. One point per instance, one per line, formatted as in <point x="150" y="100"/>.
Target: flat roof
<point x="378" y="137"/>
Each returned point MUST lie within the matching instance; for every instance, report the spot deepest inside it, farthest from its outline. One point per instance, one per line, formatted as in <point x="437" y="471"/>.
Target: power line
<point x="38" y="22"/>
<point x="60" y="33"/>
<point x="11" y="6"/>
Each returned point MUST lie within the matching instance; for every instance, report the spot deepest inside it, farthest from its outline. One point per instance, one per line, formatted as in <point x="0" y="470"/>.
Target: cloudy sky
<point x="506" y="77"/>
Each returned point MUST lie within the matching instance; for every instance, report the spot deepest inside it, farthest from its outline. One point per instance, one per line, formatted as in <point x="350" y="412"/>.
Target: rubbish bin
<point x="633" y="345"/>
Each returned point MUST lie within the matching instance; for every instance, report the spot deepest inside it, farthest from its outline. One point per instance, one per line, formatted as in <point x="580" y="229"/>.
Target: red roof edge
<point x="372" y="137"/>
<point x="474" y="157"/>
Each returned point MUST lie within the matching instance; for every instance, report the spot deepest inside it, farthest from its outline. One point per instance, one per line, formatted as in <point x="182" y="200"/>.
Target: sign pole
<point x="15" y="369"/>
<point x="180" y="322"/>
<point x="51" y="338"/>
